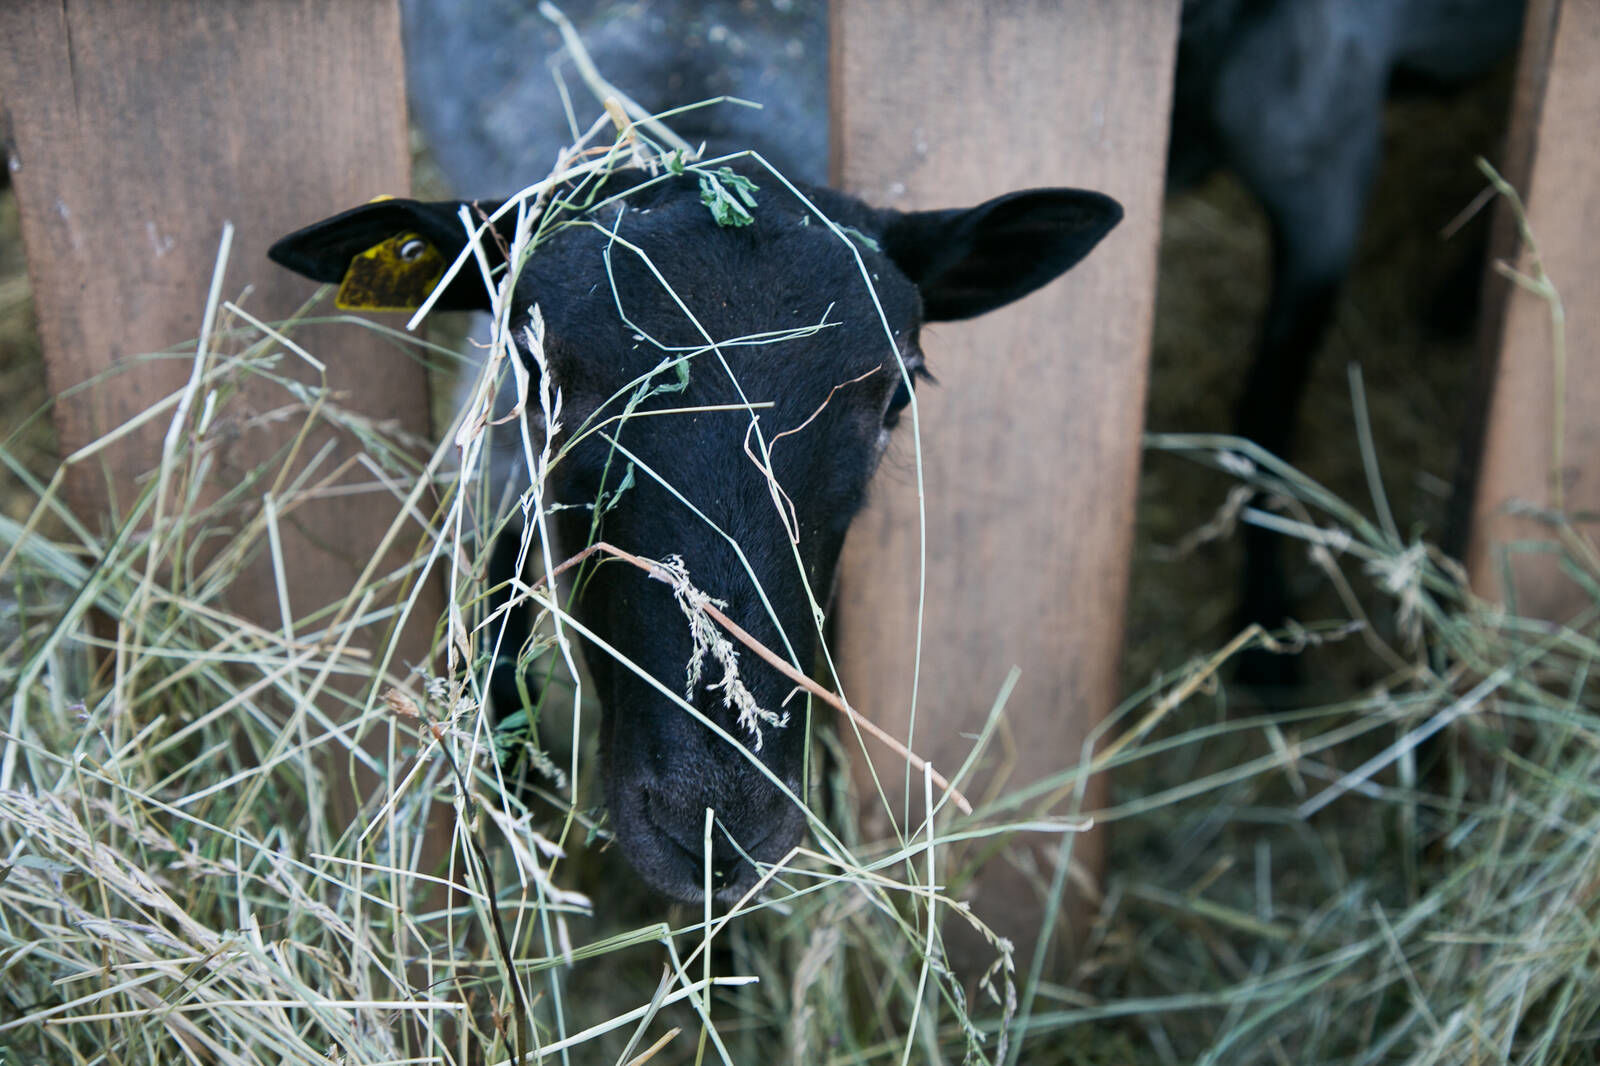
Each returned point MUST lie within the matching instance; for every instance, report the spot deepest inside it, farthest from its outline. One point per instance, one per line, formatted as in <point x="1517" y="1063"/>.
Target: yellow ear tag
<point x="396" y="275"/>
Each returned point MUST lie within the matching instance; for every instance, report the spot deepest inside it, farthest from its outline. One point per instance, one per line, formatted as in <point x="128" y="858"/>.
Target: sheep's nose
<point x="683" y="824"/>
<point x="726" y="865"/>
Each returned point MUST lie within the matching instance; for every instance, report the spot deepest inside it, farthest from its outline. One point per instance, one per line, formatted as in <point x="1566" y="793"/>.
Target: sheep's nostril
<point x="752" y="825"/>
<point x="685" y="834"/>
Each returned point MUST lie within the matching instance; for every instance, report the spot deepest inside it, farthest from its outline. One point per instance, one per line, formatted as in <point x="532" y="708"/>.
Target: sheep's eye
<point x="897" y="403"/>
<point x="900" y="399"/>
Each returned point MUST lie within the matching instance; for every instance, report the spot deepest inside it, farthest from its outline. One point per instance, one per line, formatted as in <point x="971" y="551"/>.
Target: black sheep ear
<point x="969" y="261"/>
<point x="388" y="255"/>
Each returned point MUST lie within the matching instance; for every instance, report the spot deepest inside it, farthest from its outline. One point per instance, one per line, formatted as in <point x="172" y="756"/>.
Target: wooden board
<point x="1031" y="440"/>
<point x="134" y="130"/>
<point x="1515" y="163"/>
<point x="1556" y="130"/>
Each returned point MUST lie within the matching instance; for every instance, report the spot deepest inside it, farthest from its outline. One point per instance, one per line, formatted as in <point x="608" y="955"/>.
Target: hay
<point x="1408" y="874"/>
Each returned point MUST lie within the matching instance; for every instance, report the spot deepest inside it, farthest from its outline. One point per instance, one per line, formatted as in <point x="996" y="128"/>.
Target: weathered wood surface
<point x="1031" y="440"/>
<point x="134" y="130"/>
<point x="1553" y="134"/>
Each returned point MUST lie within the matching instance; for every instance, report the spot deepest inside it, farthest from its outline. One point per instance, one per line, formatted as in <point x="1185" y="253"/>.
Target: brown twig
<point x="777" y="663"/>
<point x="780" y="499"/>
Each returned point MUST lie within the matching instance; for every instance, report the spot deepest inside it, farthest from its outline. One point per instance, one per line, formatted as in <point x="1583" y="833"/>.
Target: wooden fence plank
<point x="1031" y="440"/>
<point x="1562" y="193"/>
<point x="134" y="129"/>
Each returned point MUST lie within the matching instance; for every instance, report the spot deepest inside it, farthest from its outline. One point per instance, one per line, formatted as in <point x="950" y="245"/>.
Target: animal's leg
<point x="1298" y="315"/>
<point x="1316" y="220"/>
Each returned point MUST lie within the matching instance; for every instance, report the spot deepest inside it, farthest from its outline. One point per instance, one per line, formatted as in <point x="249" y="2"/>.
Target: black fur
<point x="786" y="270"/>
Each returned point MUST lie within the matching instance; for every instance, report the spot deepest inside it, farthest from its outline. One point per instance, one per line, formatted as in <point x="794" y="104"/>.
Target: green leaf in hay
<point x="37" y="862"/>
<point x="860" y="238"/>
<point x="726" y="206"/>
<point x="740" y="184"/>
<point x="613" y="497"/>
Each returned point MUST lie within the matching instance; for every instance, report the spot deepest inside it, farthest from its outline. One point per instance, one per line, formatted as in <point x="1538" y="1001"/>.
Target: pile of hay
<point x="186" y="873"/>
